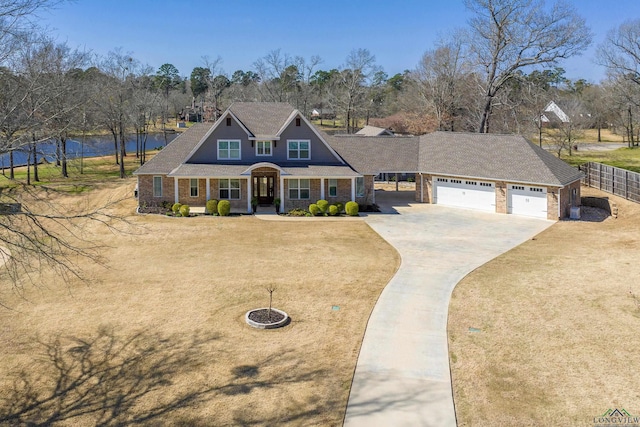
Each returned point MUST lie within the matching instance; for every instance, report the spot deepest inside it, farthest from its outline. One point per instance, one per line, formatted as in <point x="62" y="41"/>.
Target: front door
<point x="263" y="189"/>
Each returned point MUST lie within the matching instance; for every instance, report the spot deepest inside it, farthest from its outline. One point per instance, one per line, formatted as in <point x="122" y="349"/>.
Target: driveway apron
<point x="402" y="377"/>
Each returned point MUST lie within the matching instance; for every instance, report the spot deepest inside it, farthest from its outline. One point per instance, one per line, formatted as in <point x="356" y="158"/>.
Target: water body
<point x="92" y="146"/>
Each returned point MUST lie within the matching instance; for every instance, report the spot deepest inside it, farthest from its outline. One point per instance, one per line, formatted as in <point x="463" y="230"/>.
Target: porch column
<point x="373" y="189"/>
<point x="249" y="195"/>
<point x="208" y="187"/>
<point x="281" y="192"/>
<point x="353" y="189"/>
<point x="421" y="187"/>
<point x="322" y="188"/>
<point x="175" y="190"/>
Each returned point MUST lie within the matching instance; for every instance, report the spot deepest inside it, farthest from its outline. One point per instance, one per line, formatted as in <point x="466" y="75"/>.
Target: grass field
<point x="157" y="336"/>
<point x="555" y="321"/>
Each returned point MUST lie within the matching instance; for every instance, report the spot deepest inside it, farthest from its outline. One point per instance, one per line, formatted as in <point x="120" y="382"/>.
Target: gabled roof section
<point x="374" y="131"/>
<point x="264" y="120"/>
<point x="377" y="154"/>
<point x="175" y="152"/>
<point x="492" y="156"/>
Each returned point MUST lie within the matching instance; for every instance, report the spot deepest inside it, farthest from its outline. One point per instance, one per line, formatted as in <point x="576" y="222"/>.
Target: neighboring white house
<point x="554" y="114"/>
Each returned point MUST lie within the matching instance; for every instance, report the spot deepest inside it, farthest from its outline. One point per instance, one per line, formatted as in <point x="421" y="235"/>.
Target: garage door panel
<point x="465" y="194"/>
<point x="527" y="201"/>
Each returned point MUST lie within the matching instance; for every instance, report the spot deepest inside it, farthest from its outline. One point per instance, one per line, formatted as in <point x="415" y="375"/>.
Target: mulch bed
<point x="262" y="316"/>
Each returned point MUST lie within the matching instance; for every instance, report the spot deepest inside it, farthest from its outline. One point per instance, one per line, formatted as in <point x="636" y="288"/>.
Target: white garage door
<point x="465" y="193"/>
<point x="528" y="201"/>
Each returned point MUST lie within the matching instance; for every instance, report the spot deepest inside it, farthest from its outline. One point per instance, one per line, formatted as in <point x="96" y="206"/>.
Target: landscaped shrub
<point x="314" y="209"/>
<point x="333" y="210"/>
<point x="298" y="212"/>
<point x="212" y="206"/>
<point x="340" y="206"/>
<point x="323" y="205"/>
<point x="185" y="210"/>
<point x="224" y="207"/>
<point x="351" y="208"/>
<point x="176" y="208"/>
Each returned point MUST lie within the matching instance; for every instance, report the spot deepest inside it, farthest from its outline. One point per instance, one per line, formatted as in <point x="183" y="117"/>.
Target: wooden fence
<point x="620" y="182"/>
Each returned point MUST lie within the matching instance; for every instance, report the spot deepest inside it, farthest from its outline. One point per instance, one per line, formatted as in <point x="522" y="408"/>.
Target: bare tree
<point x="620" y="52"/>
<point x="508" y="35"/>
<point x="349" y="93"/>
<point x="440" y="76"/>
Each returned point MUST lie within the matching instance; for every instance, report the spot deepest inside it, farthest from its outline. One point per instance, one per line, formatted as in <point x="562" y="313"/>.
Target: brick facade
<point x="145" y="192"/>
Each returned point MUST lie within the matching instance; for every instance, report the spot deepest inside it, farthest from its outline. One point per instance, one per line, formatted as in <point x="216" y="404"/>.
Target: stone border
<point x="285" y="321"/>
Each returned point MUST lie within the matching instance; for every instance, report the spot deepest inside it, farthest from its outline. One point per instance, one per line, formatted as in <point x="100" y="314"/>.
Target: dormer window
<point x="228" y="121"/>
<point x="263" y="148"/>
<point x="298" y="121"/>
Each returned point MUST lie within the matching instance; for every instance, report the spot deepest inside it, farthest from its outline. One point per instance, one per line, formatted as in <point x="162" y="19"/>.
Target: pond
<point x="92" y="146"/>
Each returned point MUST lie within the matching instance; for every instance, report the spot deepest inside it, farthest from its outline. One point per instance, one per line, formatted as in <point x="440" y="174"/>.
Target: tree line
<point x="495" y="75"/>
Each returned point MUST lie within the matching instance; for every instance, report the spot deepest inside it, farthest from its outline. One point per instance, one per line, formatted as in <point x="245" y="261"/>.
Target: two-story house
<point x="255" y="150"/>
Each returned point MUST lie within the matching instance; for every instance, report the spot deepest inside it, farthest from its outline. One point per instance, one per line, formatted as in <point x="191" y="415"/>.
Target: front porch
<point x="267" y="183"/>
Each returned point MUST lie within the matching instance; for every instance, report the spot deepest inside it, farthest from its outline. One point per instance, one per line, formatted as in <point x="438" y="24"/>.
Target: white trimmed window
<point x="299" y="189"/>
<point x="157" y="186"/>
<point x="360" y="186"/>
<point x="333" y="188"/>
<point x="263" y="148"/>
<point x="299" y="150"/>
<point x="228" y="149"/>
<point x="193" y="187"/>
<point x="229" y="189"/>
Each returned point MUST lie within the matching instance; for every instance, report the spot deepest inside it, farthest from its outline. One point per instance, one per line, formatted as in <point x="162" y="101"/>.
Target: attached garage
<point x="461" y="193"/>
<point x="527" y="200"/>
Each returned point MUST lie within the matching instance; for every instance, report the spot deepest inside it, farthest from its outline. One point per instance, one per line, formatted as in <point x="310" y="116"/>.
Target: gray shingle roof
<point x="175" y="152"/>
<point x="484" y="156"/>
<point x="263" y="119"/>
<point x="191" y="170"/>
<point x="373" y="155"/>
<point x="374" y="131"/>
<point x="496" y="157"/>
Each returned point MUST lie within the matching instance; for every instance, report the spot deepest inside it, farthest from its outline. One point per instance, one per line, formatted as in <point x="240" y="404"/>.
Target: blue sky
<point x="241" y="31"/>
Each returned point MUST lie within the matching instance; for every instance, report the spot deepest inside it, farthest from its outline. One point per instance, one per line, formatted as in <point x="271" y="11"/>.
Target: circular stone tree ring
<point x="259" y="318"/>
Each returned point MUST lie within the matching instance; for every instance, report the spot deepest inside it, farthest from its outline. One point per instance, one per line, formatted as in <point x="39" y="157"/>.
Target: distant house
<point x="374" y="131"/>
<point x="553" y="114"/>
<point x="270" y="151"/>
<point x="323" y="113"/>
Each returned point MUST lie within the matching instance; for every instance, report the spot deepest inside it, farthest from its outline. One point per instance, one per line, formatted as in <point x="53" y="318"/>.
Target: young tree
<point x="508" y="35"/>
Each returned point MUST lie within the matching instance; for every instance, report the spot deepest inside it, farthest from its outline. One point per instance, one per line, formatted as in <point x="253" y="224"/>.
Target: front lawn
<point x="546" y="334"/>
<point x="159" y="338"/>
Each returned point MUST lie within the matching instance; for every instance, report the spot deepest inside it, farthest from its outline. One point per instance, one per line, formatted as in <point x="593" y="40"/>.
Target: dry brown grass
<point x="161" y="332"/>
<point x="558" y="339"/>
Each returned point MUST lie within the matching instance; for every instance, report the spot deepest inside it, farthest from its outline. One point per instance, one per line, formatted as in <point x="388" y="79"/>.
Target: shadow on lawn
<point x="107" y="380"/>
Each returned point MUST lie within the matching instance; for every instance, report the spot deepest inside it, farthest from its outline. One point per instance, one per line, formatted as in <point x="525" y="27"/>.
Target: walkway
<point x="402" y="376"/>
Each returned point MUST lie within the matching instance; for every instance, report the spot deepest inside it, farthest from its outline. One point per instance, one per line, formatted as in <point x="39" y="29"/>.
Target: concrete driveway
<point x="402" y="377"/>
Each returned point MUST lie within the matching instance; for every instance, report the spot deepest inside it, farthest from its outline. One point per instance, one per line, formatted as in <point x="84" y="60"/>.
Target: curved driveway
<point x="402" y="376"/>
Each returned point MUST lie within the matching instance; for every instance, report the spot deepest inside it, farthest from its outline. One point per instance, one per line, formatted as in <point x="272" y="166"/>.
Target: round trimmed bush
<point x="185" y="210"/>
<point x="323" y="205"/>
<point x="314" y="209"/>
<point x="224" y="207"/>
<point x="351" y="208"/>
<point x="333" y="210"/>
<point x="176" y="208"/>
<point x="340" y="206"/>
<point x="212" y="206"/>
